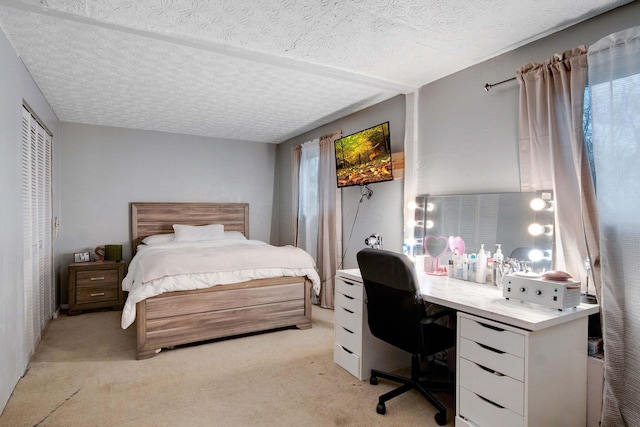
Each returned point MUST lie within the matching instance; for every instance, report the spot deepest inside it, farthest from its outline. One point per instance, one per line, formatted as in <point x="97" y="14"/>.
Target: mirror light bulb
<point x="536" y="229"/>
<point x="429" y="224"/>
<point x="536" y="255"/>
<point x="538" y="204"/>
<point x="411" y="223"/>
<point x="412" y="206"/>
<point x="430" y="207"/>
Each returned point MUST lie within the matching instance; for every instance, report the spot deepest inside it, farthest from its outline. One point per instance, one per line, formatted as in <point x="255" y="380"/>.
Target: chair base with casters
<point x="413" y="383"/>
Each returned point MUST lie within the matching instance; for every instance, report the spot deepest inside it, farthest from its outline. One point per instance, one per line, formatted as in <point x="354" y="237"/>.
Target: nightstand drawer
<point x="493" y="335"/>
<point x="96" y="277"/>
<point x="349" y="320"/>
<point x="93" y="294"/>
<point x="485" y="413"/>
<point x="352" y="289"/>
<point x="494" y="386"/>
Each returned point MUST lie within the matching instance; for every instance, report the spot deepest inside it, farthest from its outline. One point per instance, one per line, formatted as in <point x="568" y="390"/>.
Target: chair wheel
<point x="381" y="408"/>
<point x="441" y="418"/>
<point x="373" y="380"/>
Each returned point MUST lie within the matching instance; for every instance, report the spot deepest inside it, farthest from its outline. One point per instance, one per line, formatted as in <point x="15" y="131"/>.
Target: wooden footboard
<point x="183" y="317"/>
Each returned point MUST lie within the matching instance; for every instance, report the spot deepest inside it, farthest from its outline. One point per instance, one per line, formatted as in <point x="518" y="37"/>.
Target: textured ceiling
<point x="259" y="70"/>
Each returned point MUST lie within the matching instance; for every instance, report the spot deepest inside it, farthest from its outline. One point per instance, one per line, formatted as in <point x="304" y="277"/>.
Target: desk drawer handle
<point x="489" y="401"/>
<point x="347" y="350"/>
<point x="495" y="328"/>
<point x="98" y="294"/>
<point x="348" y="311"/>
<point x="496" y="373"/>
<point x="348" y="297"/>
<point x="486" y="347"/>
<point x="97" y="278"/>
<point x="346" y="329"/>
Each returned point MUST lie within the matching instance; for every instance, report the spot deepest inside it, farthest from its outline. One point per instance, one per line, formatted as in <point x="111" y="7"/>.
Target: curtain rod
<point x="488" y="86"/>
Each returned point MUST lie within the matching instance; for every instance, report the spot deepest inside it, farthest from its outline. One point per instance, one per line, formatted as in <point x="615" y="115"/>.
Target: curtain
<point x="318" y="210"/>
<point x="553" y="156"/>
<point x="329" y="221"/>
<point x="614" y="82"/>
<point x="308" y="199"/>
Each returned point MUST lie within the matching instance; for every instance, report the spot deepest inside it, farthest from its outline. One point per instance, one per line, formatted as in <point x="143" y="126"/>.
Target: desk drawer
<point x="348" y="339"/>
<point x="348" y="360"/>
<point x="493" y="335"/>
<point x="349" y="320"/>
<point x="497" y="360"/>
<point x="350" y="288"/>
<point x="483" y="413"/>
<point x="494" y="386"/>
<point x="348" y="302"/>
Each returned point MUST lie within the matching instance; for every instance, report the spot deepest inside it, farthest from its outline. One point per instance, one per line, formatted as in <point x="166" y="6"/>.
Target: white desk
<point x="536" y="356"/>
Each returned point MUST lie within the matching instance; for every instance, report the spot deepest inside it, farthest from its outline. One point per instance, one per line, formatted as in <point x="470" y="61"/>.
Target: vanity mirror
<point x="522" y="223"/>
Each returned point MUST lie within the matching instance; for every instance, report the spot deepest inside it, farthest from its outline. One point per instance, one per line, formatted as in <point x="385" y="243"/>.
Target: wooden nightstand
<point x="95" y="285"/>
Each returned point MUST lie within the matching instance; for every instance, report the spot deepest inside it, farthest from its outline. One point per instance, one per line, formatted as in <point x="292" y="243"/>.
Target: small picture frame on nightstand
<point x="81" y="257"/>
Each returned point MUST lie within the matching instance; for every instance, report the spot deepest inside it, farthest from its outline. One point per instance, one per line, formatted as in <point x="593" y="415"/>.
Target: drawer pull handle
<point x="348" y="311"/>
<point x="486" y="347"/>
<point x="348" y="297"/>
<point x="97" y="278"/>
<point x="489" y="401"/>
<point x="98" y="294"/>
<point x="348" y="283"/>
<point x="496" y="373"/>
<point x="495" y="328"/>
<point x="347" y="350"/>
<point x="347" y="330"/>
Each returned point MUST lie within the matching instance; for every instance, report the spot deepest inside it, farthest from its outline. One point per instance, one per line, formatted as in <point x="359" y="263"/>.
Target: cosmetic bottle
<point x="465" y="267"/>
<point x="472" y="267"/>
<point x="481" y="265"/>
<point x="498" y="259"/>
<point x="489" y="268"/>
<point x="450" y="270"/>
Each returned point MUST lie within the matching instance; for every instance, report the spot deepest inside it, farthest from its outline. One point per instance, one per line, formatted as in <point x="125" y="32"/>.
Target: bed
<point x="179" y="317"/>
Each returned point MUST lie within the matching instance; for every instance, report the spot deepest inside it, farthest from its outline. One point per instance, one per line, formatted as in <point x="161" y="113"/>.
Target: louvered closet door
<point x="37" y="235"/>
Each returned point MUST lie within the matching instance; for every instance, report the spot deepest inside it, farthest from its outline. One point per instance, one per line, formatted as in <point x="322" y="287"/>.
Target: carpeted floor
<point x="84" y="373"/>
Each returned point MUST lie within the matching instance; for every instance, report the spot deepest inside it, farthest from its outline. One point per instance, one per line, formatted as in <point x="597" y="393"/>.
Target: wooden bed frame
<point x="183" y="317"/>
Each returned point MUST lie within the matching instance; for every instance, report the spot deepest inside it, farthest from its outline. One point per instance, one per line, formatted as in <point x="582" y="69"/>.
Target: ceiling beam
<point x="221" y="49"/>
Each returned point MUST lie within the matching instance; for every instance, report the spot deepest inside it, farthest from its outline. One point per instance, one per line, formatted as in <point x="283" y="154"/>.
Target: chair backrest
<point x="394" y="305"/>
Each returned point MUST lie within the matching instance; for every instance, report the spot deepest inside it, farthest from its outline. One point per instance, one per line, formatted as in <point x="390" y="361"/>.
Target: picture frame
<point x="81" y="257"/>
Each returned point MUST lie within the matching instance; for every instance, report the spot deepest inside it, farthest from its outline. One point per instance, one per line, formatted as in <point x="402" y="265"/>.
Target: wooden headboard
<point x="158" y="218"/>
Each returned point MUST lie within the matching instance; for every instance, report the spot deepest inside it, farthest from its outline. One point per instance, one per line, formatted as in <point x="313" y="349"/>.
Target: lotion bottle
<point x="481" y="265"/>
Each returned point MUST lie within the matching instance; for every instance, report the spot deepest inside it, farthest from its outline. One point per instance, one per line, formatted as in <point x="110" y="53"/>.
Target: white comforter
<point x="196" y="265"/>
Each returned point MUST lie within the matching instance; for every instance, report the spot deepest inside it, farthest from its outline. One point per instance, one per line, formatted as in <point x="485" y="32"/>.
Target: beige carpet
<point x="84" y="373"/>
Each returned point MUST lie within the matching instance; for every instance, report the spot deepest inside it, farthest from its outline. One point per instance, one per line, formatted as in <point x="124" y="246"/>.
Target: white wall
<point x="104" y="169"/>
<point x="16" y="85"/>
<point x="468" y="138"/>
<point x="381" y="214"/>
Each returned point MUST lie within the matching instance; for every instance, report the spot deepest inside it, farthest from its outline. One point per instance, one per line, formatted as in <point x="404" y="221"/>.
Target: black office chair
<point x="397" y="315"/>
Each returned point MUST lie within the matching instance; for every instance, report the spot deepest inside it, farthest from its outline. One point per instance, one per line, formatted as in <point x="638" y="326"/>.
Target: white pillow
<point x="198" y="233"/>
<point x="234" y="235"/>
<point x="157" y="239"/>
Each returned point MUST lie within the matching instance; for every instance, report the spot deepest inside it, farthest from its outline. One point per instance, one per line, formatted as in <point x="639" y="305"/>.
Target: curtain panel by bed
<point x="317" y="209"/>
<point x="552" y="155"/>
<point x="614" y="83"/>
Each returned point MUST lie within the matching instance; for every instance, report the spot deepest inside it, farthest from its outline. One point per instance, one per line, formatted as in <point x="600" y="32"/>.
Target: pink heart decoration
<point x="456" y="244"/>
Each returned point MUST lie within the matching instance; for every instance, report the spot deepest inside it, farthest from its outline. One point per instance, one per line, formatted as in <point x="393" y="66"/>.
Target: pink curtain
<point x="552" y="156"/>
